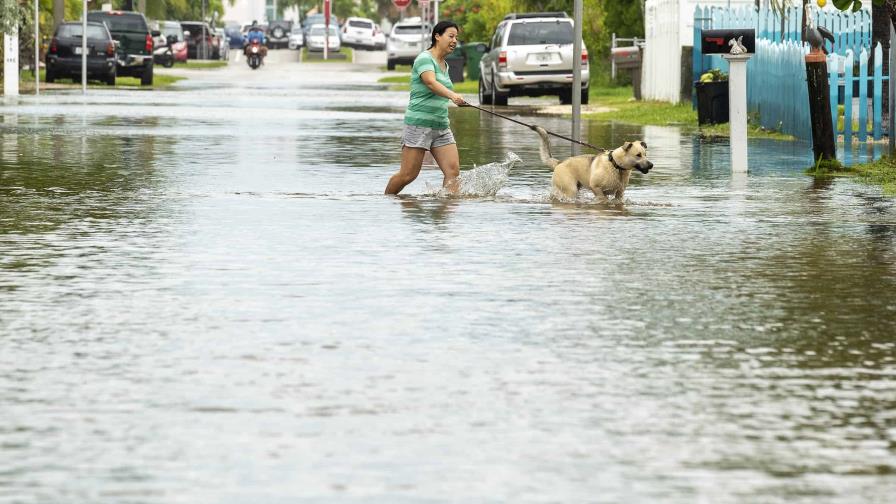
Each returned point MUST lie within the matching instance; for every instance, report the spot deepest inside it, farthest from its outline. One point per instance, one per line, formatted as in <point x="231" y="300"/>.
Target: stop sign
<point x="401" y="4"/>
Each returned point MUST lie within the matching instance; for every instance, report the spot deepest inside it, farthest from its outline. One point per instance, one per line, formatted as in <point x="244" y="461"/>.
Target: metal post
<point x="203" y="48"/>
<point x="84" y="48"/>
<point x="326" y="29"/>
<point x="577" y="77"/>
<point x="612" y="61"/>
<point x="36" y="49"/>
<point x="435" y="14"/>
<point x="891" y="91"/>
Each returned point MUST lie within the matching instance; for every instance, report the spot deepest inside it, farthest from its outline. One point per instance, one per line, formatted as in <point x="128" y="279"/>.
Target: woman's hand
<point x="457" y="99"/>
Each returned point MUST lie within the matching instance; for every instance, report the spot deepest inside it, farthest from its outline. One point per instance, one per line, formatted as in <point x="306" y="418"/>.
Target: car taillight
<point x="110" y="49"/>
<point x="148" y="43"/>
<point x="584" y="57"/>
<point x="53" y="47"/>
<point x="502" y="58"/>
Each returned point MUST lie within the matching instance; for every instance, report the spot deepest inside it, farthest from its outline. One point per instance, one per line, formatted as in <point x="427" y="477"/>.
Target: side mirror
<point x="156" y="33"/>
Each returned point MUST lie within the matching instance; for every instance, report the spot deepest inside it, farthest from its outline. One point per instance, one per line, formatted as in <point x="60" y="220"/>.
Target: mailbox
<point x="626" y="57"/>
<point x="724" y="41"/>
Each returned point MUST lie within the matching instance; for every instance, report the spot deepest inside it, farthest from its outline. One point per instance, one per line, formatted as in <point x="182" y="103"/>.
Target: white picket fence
<point x="668" y="26"/>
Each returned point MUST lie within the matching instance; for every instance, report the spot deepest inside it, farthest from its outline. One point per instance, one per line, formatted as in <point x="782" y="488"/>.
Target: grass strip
<point x="201" y="64"/>
<point x="159" y="81"/>
<point x="306" y="58"/>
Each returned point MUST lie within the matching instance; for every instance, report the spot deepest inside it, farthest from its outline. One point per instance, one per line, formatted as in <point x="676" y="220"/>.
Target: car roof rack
<point x="529" y="15"/>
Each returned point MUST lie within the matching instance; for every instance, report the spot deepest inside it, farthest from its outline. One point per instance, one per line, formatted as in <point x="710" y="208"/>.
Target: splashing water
<point x="481" y="181"/>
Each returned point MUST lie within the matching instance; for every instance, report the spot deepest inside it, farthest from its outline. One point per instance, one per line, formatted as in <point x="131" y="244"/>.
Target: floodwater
<point x="204" y="298"/>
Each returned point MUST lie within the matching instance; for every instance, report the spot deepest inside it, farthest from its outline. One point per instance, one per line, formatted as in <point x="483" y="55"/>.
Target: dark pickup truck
<point x="135" y="42"/>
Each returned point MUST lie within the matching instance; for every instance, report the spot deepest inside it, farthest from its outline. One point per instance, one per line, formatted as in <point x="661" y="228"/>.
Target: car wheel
<point x="390" y="64"/>
<point x="498" y="98"/>
<point x="146" y="77"/>
<point x="585" y="96"/>
<point x="565" y="96"/>
<point x="110" y="79"/>
<point x="484" y="98"/>
<point x="50" y="76"/>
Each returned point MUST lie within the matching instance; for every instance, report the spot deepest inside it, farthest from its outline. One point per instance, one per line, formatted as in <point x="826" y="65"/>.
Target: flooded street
<point x="205" y="298"/>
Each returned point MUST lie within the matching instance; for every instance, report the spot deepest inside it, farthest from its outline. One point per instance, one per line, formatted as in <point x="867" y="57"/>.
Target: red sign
<point x="327" y="16"/>
<point x="401" y="4"/>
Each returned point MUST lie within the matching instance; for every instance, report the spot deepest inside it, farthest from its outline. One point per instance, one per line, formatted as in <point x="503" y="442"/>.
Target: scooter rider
<point x="255" y="34"/>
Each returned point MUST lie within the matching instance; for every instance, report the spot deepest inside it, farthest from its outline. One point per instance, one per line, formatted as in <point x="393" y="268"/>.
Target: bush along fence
<point x="776" y="75"/>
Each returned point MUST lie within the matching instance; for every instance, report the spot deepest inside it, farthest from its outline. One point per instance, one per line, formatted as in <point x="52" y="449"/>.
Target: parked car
<point x="173" y="29"/>
<point x="361" y="33"/>
<point x="64" y="56"/>
<point x="135" y="45"/>
<point x="195" y="32"/>
<point x="531" y="55"/>
<point x="223" y="42"/>
<point x="317" y="35"/>
<point x="296" y="38"/>
<point x="315" y="19"/>
<point x="278" y="34"/>
<point x="234" y="36"/>
<point x="406" y="41"/>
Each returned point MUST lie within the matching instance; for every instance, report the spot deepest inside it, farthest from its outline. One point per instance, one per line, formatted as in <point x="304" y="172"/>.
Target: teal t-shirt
<point x="426" y="108"/>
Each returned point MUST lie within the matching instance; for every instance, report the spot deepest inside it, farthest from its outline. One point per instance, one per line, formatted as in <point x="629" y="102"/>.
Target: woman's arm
<point x="429" y="78"/>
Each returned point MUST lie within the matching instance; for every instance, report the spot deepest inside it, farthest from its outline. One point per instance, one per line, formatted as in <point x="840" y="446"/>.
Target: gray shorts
<point x="426" y="138"/>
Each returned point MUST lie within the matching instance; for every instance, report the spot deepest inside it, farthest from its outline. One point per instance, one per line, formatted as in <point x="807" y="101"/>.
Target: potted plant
<point x="712" y="97"/>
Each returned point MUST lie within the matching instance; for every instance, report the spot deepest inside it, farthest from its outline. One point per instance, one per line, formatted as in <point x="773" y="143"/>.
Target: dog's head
<point x="633" y="155"/>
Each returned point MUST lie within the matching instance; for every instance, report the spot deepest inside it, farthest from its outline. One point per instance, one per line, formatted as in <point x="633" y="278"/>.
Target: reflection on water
<point x="203" y="309"/>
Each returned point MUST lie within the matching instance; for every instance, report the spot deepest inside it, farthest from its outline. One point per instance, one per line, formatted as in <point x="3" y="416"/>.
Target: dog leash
<point x="532" y="127"/>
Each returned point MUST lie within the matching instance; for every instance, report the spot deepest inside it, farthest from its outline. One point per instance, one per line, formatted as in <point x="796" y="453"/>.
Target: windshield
<point x="360" y="24"/>
<point x="408" y="30"/>
<point x="544" y="32"/>
<point x="296" y="29"/>
<point x="74" y="30"/>
<point x="120" y="22"/>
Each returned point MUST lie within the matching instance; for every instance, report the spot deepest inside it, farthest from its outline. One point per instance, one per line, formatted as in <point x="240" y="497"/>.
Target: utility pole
<point x="36" y="48"/>
<point x="84" y="49"/>
<point x="577" y="77"/>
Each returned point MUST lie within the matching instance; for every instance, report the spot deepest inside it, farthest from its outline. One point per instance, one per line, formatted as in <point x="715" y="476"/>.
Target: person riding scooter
<point x="255" y="35"/>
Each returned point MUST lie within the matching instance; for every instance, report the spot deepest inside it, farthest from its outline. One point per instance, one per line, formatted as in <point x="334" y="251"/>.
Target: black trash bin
<point x="455" y="62"/>
<point x="712" y="102"/>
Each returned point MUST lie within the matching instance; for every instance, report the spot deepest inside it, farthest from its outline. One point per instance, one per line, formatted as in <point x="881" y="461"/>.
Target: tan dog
<point x="604" y="174"/>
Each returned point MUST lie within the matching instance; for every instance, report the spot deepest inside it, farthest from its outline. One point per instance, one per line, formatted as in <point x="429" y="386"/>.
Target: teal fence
<point x="780" y="101"/>
<point x="852" y="30"/>
<point x="776" y="83"/>
<point x="861" y="114"/>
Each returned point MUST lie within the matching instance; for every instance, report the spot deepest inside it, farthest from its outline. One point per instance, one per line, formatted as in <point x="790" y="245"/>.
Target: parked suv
<point x="360" y="33"/>
<point x="135" y="42"/>
<point x="199" y="31"/>
<point x="531" y="55"/>
<point x="409" y="38"/>
<point x="64" y="55"/>
<point x="278" y="34"/>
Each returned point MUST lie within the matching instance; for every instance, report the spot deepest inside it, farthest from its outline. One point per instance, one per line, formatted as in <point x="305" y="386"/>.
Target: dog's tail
<point x="545" y="148"/>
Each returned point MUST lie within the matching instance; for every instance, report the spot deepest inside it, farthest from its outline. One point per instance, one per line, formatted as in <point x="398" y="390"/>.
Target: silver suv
<point x="531" y="55"/>
<point x="409" y="38"/>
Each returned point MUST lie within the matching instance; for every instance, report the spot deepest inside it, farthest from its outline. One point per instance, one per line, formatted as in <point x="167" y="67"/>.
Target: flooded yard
<point x="205" y="297"/>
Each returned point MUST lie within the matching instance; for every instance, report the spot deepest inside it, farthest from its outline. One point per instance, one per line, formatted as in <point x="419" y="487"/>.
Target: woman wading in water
<point x="426" y="125"/>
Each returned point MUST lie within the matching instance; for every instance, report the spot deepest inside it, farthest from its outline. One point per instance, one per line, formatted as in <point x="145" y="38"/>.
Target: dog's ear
<point x="643" y="144"/>
<point x="627" y="146"/>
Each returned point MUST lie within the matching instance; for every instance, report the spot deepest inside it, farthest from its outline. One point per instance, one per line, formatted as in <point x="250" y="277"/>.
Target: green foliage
<point x="853" y="5"/>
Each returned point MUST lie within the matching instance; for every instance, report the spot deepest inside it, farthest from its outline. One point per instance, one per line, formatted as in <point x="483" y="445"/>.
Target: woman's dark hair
<point x="439" y="29"/>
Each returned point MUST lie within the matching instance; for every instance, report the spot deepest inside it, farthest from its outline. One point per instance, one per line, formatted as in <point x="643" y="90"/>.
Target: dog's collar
<point x="613" y="161"/>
